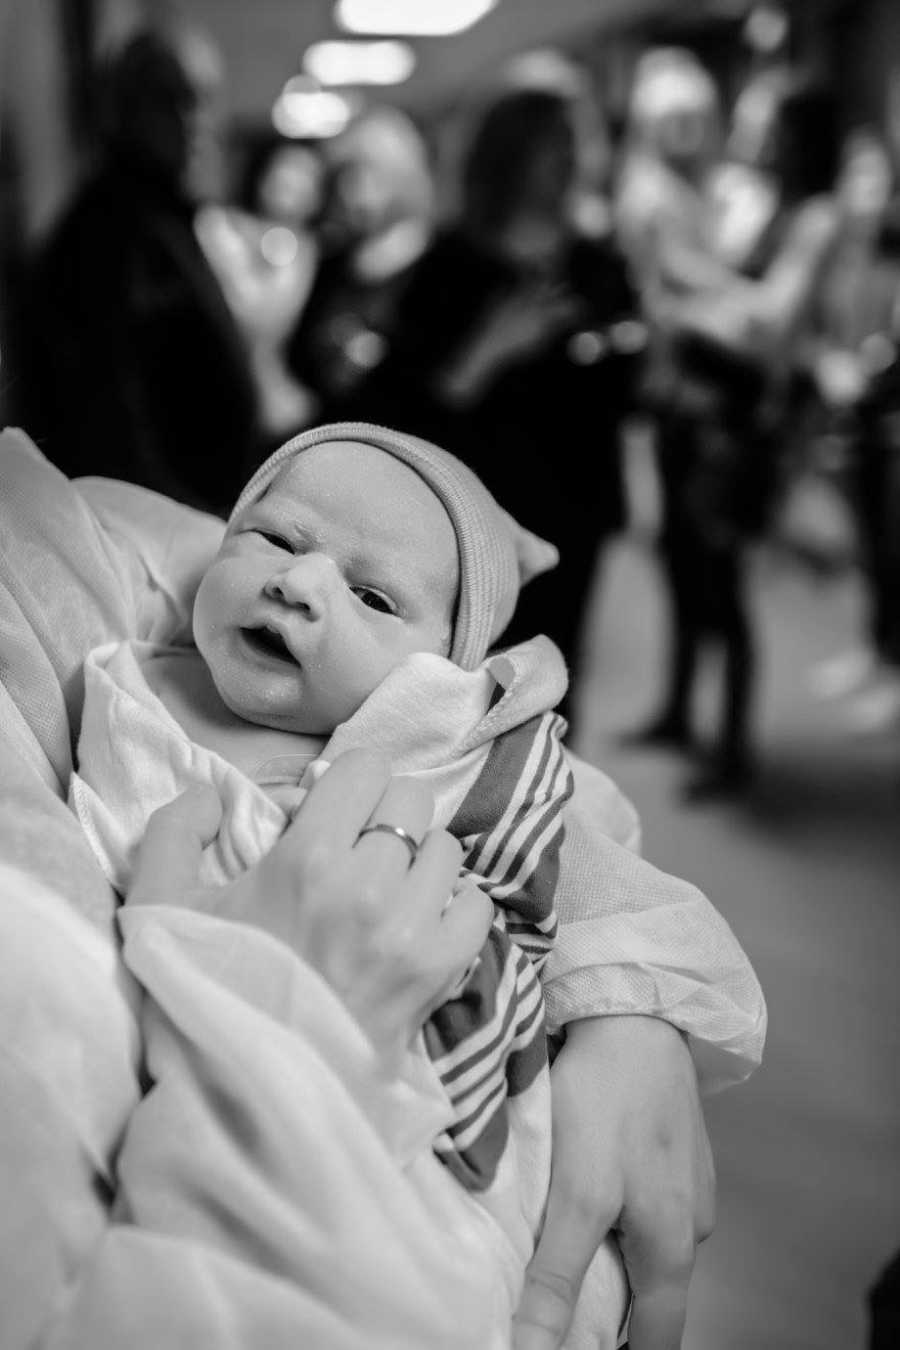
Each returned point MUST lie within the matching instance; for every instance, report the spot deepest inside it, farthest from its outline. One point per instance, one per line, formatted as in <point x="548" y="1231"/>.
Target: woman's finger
<point x="405" y="805"/>
<point x="658" y="1317"/>
<point x="168" y="861"/>
<point x="337" y="806"/>
<point x="659" y="1244"/>
<point x="434" y="876"/>
<point x="463" y="932"/>
<point x="575" y="1225"/>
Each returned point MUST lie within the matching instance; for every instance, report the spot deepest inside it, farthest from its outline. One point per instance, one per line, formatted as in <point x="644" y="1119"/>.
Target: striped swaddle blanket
<point x="488" y="1043"/>
<point x="492" y="753"/>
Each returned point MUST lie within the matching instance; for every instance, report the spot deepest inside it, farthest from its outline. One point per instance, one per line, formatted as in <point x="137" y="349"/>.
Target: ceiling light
<point x="766" y="28"/>
<point x="279" y="246"/>
<point x="383" y="62"/>
<point x="423" y="18"/>
<point x="303" y="109"/>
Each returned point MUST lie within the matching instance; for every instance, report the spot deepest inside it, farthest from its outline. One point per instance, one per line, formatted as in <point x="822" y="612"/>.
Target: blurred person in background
<point x="662" y="216"/>
<point x="265" y="251"/>
<point x="743" y="187"/>
<point x="734" y="347"/>
<point x="853" y="366"/>
<point x="376" y="224"/>
<point x="133" y="365"/>
<point x="664" y="224"/>
<point x="880" y="419"/>
<point x="744" y="348"/>
<point x="516" y="343"/>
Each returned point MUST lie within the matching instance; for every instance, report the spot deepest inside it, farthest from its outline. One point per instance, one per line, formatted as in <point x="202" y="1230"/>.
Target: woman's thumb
<point x="168" y="860"/>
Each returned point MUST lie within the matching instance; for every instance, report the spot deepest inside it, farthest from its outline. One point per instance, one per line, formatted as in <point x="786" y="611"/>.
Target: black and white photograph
<point x="449" y="675"/>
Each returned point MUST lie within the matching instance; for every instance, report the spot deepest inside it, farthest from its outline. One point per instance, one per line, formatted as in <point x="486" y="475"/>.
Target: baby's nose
<point x="307" y="583"/>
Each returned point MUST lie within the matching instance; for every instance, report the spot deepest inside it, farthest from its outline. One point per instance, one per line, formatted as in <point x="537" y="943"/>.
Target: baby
<point x="363" y="576"/>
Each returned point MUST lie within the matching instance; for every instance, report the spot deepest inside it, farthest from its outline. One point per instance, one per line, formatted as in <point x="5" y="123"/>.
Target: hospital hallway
<point x="806" y="871"/>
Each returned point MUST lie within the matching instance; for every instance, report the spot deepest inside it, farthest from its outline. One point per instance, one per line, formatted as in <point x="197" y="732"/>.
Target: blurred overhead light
<point x="766" y="28"/>
<point x="424" y="18"/>
<point x="279" y="246"/>
<point x="303" y="109"/>
<point x="360" y="62"/>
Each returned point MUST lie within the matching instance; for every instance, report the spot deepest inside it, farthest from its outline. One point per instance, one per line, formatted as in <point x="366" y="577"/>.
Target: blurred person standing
<point x="735" y="346"/>
<point x="665" y="225"/>
<point x="853" y="360"/>
<point x="743" y="348"/>
<point x="662" y="212"/>
<point x="265" y="251"/>
<point x="516" y="342"/>
<point x="376" y="223"/>
<point x="880" y="416"/>
<point x="133" y="365"/>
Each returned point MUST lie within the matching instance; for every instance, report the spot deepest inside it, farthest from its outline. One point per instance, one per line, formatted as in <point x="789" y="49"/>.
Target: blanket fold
<point x="90" y="563"/>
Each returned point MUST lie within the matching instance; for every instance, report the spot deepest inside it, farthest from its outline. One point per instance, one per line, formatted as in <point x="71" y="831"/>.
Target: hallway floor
<point x="807" y="872"/>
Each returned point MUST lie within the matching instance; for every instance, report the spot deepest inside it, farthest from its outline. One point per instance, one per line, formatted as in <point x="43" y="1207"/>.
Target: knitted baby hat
<point x="496" y="555"/>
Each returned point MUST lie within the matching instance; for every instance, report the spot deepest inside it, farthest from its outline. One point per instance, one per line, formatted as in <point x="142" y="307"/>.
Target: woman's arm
<point x="762" y="318"/>
<point x="631" y="1158"/>
<point x="513" y="328"/>
<point x="656" y="998"/>
<point x="780" y="300"/>
<point x="271" y="1186"/>
<point x="634" y="940"/>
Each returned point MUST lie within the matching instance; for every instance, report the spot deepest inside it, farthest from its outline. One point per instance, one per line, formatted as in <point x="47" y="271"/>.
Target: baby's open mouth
<point x="269" y="641"/>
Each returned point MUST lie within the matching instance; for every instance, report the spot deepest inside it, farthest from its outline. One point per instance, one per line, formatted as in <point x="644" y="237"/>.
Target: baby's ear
<point x="533" y="554"/>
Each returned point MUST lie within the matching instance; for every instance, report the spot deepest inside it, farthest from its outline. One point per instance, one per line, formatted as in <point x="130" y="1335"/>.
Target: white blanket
<point x="83" y="565"/>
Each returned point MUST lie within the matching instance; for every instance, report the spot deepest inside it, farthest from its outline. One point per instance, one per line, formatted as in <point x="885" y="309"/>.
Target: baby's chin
<point x="299" y="722"/>
<point x="296" y="723"/>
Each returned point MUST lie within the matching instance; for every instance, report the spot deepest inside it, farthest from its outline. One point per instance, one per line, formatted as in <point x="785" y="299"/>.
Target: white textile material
<point x="81" y="565"/>
<point x="269" y="1160"/>
<point x="433" y="719"/>
<point x="133" y="757"/>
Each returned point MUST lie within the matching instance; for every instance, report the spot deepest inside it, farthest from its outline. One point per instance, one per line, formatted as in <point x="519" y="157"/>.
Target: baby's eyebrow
<point x="427" y="585"/>
<point x="274" y="512"/>
<point x="386" y="567"/>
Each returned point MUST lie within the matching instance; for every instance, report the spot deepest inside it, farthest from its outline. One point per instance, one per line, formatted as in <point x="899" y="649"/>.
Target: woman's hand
<point x="630" y="1155"/>
<point x="513" y="329"/>
<point x="372" y="921"/>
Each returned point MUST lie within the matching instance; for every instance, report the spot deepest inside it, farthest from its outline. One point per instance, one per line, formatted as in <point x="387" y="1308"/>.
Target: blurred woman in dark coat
<point x="515" y="345"/>
<point x="133" y="365"/>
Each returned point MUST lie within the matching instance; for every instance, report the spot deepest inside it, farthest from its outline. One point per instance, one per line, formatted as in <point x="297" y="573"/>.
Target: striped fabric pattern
<point x="488" y="1043"/>
<point x="493" y="756"/>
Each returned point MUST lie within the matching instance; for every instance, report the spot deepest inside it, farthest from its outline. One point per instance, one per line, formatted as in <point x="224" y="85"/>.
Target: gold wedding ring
<point x="399" y="832"/>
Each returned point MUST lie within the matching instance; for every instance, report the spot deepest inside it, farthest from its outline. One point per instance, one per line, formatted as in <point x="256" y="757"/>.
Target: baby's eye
<point x="374" y="599"/>
<point x="275" y="539"/>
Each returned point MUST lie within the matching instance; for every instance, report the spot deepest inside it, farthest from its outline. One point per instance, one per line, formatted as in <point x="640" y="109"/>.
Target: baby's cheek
<point x="212" y="601"/>
<point x="358" y="663"/>
<point x="202" y="606"/>
<point x="437" y="639"/>
<point x="224" y="584"/>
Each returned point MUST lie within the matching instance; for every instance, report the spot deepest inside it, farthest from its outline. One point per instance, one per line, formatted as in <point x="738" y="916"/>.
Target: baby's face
<point x="345" y="566"/>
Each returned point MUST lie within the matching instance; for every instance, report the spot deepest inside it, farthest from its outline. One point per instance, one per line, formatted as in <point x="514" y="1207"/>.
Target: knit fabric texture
<point x="487" y="538"/>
